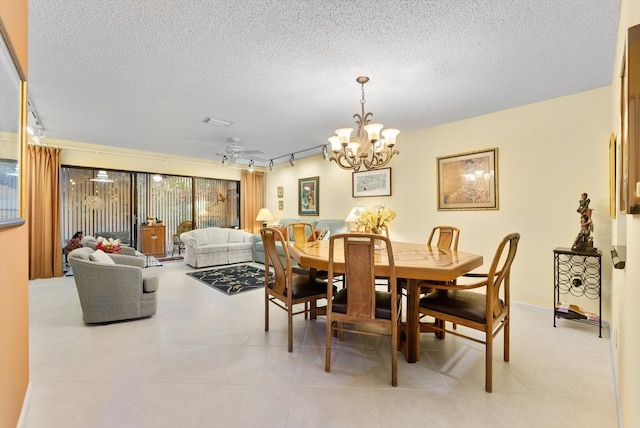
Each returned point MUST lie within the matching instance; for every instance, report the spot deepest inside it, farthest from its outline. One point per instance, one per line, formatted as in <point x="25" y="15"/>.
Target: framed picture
<point x="280" y="205"/>
<point x="612" y="175"/>
<point x="371" y="183"/>
<point x="308" y="196"/>
<point x="12" y="106"/>
<point x="468" y="181"/>
<point x="280" y="191"/>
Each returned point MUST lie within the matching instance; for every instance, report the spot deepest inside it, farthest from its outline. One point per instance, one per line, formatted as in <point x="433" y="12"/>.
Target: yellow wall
<point x="549" y="153"/>
<point x="14" y="307"/>
<point x="95" y="156"/>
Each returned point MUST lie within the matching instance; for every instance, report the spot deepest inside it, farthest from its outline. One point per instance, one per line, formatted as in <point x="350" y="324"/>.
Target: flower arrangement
<point x="108" y="245"/>
<point x="375" y="219"/>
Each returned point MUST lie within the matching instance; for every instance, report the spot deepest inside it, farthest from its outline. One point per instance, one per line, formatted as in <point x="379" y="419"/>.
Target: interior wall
<point x="549" y="153"/>
<point x="14" y="304"/>
<point x="626" y="290"/>
<point x="95" y="156"/>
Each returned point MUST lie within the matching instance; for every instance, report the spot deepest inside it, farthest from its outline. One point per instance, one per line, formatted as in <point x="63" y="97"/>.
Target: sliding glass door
<point x="119" y="207"/>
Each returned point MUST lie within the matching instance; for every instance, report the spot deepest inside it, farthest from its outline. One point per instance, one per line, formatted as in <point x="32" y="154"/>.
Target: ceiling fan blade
<point x="252" y="152"/>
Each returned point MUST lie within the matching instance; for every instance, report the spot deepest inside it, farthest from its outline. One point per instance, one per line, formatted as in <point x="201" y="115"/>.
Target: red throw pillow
<point x="313" y="236"/>
<point x="283" y="230"/>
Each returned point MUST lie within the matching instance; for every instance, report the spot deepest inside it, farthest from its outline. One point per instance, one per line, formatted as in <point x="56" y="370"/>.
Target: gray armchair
<point x="115" y="291"/>
<point x="91" y="242"/>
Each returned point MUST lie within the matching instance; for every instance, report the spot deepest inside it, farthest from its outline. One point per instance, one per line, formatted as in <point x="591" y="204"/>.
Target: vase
<point x="377" y="243"/>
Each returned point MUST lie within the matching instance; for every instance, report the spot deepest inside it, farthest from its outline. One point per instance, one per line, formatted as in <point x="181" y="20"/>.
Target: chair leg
<point x="394" y="356"/>
<point x="488" y="369"/>
<point x="290" y="328"/>
<point x="440" y="324"/>
<point x="266" y="313"/>
<point x="327" y="357"/>
<point x="506" y="337"/>
<point x="313" y="310"/>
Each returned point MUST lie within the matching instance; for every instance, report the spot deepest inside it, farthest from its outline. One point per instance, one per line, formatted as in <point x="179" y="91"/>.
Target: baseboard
<point x="25" y="408"/>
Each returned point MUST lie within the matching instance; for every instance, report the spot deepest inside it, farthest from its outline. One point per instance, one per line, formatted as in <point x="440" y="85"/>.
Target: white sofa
<point x="213" y="246"/>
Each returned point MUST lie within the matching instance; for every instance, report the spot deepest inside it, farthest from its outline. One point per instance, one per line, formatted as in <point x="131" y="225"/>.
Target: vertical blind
<point x="118" y="208"/>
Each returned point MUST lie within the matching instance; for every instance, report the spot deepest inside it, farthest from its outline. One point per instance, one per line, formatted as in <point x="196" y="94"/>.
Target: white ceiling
<point x="143" y="74"/>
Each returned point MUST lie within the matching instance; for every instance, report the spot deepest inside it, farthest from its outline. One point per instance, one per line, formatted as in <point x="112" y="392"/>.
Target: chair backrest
<point x="359" y="263"/>
<point x="184" y="226"/>
<point x="301" y="232"/>
<point x="447" y="237"/>
<point x="499" y="273"/>
<point x="282" y="273"/>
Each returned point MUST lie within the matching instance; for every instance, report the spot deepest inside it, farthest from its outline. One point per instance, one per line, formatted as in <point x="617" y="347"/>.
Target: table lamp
<point x="264" y="215"/>
<point x="353" y="216"/>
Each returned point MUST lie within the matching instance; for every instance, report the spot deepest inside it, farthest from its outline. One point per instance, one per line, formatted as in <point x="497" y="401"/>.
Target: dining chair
<point x="487" y="311"/>
<point x="178" y="245"/>
<point x="301" y="233"/>
<point x="359" y="303"/>
<point x="447" y="237"/>
<point x="286" y="290"/>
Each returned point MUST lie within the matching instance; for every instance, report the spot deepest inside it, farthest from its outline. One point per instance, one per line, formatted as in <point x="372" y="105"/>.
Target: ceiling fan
<point x="234" y="151"/>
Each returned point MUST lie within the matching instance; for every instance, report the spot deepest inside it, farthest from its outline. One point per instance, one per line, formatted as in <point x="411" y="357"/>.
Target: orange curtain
<point x="43" y="208"/>
<point x="252" y="191"/>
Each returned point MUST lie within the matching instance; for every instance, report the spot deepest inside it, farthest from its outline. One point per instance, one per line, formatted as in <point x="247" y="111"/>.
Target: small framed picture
<point x="280" y="205"/>
<point x="280" y="191"/>
<point x="308" y="196"/>
<point x="371" y="183"/>
<point x="468" y="181"/>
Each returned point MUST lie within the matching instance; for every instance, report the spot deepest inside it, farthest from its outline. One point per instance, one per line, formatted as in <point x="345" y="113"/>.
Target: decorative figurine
<point x="584" y="240"/>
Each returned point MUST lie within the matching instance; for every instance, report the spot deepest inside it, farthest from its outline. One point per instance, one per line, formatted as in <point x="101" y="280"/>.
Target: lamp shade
<point x="354" y="214"/>
<point x="264" y="215"/>
<point x="102" y="177"/>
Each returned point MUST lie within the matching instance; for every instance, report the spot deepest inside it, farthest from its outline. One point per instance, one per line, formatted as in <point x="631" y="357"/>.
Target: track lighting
<point x="225" y="160"/>
<point x="251" y="166"/>
<point x="324" y="153"/>
<point x="292" y="160"/>
<point x="271" y="165"/>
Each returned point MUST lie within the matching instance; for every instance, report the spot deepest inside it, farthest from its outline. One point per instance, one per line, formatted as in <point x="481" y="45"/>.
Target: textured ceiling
<point x="144" y="74"/>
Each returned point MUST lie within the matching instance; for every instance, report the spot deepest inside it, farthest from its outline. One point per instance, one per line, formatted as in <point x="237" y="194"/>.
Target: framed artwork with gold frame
<point x="12" y="117"/>
<point x="468" y="181"/>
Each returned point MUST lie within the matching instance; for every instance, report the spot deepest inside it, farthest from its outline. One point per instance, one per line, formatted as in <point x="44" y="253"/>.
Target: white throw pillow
<point x="101" y="257"/>
<point x="324" y="235"/>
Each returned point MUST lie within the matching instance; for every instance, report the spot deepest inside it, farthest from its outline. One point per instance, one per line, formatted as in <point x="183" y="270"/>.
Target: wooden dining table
<point x="413" y="262"/>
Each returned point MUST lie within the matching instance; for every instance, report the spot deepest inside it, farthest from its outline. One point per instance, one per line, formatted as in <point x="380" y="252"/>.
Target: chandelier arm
<point x="345" y="162"/>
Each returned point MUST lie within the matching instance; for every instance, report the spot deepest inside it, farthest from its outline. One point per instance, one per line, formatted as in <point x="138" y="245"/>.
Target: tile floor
<point x="204" y="360"/>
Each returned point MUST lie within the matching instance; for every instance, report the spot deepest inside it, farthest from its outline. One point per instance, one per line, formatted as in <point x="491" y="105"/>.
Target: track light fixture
<point x="325" y="155"/>
<point x="251" y="166"/>
<point x="292" y="160"/>
<point x="271" y="165"/>
<point x="225" y="160"/>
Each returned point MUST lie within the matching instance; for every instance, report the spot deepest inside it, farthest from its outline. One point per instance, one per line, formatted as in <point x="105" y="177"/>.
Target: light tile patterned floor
<point x="204" y="360"/>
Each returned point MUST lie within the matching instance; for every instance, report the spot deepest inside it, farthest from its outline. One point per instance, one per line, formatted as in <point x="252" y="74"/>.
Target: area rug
<point x="232" y="280"/>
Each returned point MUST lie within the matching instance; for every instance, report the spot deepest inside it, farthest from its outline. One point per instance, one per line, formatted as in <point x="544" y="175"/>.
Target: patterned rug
<point x="232" y="280"/>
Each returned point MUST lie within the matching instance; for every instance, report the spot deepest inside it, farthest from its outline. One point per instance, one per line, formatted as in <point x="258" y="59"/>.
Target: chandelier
<point x="366" y="149"/>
